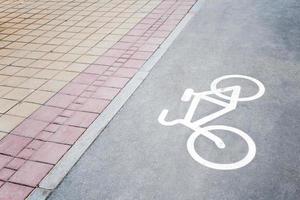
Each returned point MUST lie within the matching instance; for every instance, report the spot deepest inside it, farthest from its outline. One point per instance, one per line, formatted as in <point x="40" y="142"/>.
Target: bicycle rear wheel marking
<point x="246" y="160"/>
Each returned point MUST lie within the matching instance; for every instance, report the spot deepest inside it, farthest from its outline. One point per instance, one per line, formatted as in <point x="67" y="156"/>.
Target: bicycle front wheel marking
<point x="231" y="166"/>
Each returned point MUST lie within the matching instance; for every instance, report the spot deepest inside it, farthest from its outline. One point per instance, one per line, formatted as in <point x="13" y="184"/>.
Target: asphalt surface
<point x="138" y="158"/>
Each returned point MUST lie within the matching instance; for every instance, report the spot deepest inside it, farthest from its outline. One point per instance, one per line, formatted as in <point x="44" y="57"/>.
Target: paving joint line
<point x="61" y="169"/>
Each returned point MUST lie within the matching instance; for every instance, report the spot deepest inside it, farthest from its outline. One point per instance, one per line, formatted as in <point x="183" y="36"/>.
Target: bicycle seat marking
<point x="229" y="104"/>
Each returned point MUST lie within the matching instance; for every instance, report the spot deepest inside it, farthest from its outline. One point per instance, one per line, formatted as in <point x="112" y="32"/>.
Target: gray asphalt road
<point x="138" y="158"/>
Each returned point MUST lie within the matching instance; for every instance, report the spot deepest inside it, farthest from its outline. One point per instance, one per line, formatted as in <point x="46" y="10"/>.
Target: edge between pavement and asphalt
<point x="61" y="169"/>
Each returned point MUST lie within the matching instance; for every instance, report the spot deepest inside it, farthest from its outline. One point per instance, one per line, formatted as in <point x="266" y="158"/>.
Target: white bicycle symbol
<point x="206" y="131"/>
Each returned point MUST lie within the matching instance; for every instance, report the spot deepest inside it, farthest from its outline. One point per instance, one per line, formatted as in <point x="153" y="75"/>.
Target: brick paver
<point x="61" y="64"/>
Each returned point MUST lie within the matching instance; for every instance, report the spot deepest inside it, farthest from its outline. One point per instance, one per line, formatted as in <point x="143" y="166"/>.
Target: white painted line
<point x="198" y="129"/>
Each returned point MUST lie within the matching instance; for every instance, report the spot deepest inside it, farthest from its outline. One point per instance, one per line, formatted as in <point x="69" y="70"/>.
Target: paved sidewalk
<point x="61" y="63"/>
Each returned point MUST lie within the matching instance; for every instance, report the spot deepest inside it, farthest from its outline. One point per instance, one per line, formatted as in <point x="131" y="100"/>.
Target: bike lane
<point x="136" y="157"/>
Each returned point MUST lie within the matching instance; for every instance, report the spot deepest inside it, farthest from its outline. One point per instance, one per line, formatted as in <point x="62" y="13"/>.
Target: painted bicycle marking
<point x="199" y="129"/>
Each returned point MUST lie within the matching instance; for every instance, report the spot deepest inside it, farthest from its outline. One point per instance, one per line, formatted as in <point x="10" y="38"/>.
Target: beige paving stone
<point x="6" y="104"/>
<point x="3" y="77"/>
<point x="5" y="52"/>
<point x="63" y="48"/>
<point x="27" y="72"/>
<point x="46" y="74"/>
<point x="77" y="67"/>
<point x="4" y="90"/>
<point x="79" y="50"/>
<point x="40" y="64"/>
<point x="86" y="59"/>
<point x="105" y="44"/>
<point x="65" y="76"/>
<point x="8" y="122"/>
<point x="18" y="94"/>
<point x="18" y="53"/>
<point x="23" y="109"/>
<point x="14" y="81"/>
<point x="7" y="60"/>
<point x="69" y="57"/>
<point x="58" y="65"/>
<point x="2" y="135"/>
<point x="33" y="83"/>
<point x="97" y="51"/>
<point x="35" y="55"/>
<point x="39" y="97"/>
<point x="52" y="56"/>
<point x="10" y="70"/>
<point x="53" y="85"/>
<point x="23" y="62"/>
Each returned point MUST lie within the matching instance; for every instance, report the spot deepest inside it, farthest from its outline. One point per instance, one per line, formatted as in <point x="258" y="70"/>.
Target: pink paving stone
<point x="44" y="135"/>
<point x="30" y="128"/>
<point x="168" y="27"/>
<point x="105" y="60"/>
<point x="60" y="120"/>
<point x="162" y="34"/>
<point x="114" y="52"/>
<point x="148" y="47"/>
<point x="113" y="69"/>
<point x="98" y="83"/>
<point x="122" y="45"/>
<point x="132" y="63"/>
<point x="16" y="163"/>
<point x="122" y="60"/>
<point x="126" y="56"/>
<point x="106" y="93"/>
<point x="108" y="73"/>
<point x="5" y="174"/>
<point x="82" y="119"/>
<point x="35" y="144"/>
<point x="96" y="69"/>
<point x="92" y="88"/>
<point x="46" y="113"/>
<point x="86" y="94"/>
<point x="136" y="32"/>
<point x="117" y="64"/>
<point x="80" y="100"/>
<point x="1" y="183"/>
<point x="85" y="78"/>
<point x="67" y="135"/>
<point x="52" y="127"/>
<point x="142" y="55"/>
<point x="12" y="145"/>
<point x="117" y="82"/>
<point x="126" y="72"/>
<point x="74" y="89"/>
<point x="148" y="21"/>
<point x="61" y="100"/>
<point x="67" y="113"/>
<point x="31" y="173"/>
<point x="155" y="40"/>
<point x="50" y="153"/>
<point x="4" y="160"/>
<point x="129" y="38"/>
<point x="26" y="153"/>
<point x="142" y="26"/>
<point x="11" y="191"/>
<point x="91" y="105"/>
<point x="102" y="78"/>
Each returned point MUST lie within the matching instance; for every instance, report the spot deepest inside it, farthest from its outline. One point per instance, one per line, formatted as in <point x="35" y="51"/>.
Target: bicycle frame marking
<point x="196" y="126"/>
